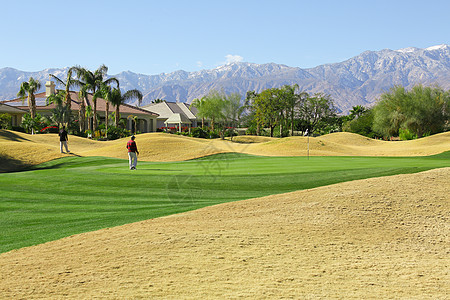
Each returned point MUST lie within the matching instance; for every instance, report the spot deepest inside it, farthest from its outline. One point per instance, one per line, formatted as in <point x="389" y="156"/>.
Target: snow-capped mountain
<point x="356" y="81"/>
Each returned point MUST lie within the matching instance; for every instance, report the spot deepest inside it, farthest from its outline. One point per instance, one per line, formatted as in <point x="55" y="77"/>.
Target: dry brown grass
<point x="380" y="238"/>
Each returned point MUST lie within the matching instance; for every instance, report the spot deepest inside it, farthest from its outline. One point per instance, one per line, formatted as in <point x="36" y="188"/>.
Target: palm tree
<point x="94" y="81"/>
<point x="106" y="93"/>
<point x="82" y="94"/>
<point x="117" y="99"/>
<point x="134" y="119"/>
<point x="68" y="83"/>
<point x="29" y="88"/>
<point x="357" y="111"/>
<point x="200" y="104"/>
<point x="88" y="114"/>
<point x="61" y="112"/>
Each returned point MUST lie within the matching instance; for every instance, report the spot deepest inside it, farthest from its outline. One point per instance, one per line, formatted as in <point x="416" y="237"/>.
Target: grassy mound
<point x="23" y="149"/>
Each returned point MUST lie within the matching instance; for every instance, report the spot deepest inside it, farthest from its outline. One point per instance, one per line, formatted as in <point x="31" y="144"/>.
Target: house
<point x="146" y="120"/>
<point x="174" y="112"/>
<point x="15" y="113"/>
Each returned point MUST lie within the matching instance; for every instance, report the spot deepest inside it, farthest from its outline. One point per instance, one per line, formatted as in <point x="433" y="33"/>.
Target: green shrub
<point x="5" y="121"/>
<point x="115" y="133"/>
<point x="198" y="132"/>
<point x="214" y="134"/>
<point x="37" y="123"/>
<point x="405" y="134"/>
<point x="230" y="132"/>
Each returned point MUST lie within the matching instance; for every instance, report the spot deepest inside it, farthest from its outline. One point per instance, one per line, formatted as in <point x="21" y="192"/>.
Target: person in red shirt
<point x="132" y="153"/>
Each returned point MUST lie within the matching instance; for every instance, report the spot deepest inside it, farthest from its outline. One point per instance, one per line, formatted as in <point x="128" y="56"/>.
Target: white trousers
<point x="132" y="157"/>
<point x="63" y="143"/>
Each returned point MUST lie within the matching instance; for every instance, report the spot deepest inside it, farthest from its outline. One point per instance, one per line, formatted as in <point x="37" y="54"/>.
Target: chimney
<point x="49" y="88"/>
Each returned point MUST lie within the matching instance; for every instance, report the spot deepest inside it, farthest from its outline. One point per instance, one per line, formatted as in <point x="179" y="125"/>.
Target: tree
<point x="251" y="113"/>
<point x="290" y="104"/>
<point x="82" y="94"/>
<point x="94" y="81"/>
<point x="232" y="111"/>
<point x="357" y="111"/>
<point x="361" y="125"/>
<point x="201" y="106"/>
<point x="117" y="99"/>
<point x="315" y="111"/>
<point x="214" y="102"/>
<point x="5" y="121"/>
<point x="31" y="124"/>
<point x="68" y="83"/>
<point x="134" y="119"/>
<point x="88" y="114"/>
<point x="423" y="110"/>
<point x="61" y="112"/>
<point x="29" y="88"/>
<point x="106" y="93"/>
<point x="267" y="107"/>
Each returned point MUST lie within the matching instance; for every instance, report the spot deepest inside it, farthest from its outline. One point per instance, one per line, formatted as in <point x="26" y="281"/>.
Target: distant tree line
<point x="287" y="111"/>
<point x="280" y="111"/>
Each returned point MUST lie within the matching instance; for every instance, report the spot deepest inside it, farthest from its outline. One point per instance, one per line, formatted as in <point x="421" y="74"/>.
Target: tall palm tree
<point x="93" y="82"/>
<point x="134" y="119"/>
<point x="106" y="93"/>
<point x="68" y="83"/>
<point x="29" y="88"/>
<point x="88" y="114"/>
<point x="117" y="99"/>
<point x="82" y="94"/>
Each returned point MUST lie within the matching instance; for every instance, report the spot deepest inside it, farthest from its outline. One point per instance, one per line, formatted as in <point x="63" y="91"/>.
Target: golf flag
<point x="306" y="133"/>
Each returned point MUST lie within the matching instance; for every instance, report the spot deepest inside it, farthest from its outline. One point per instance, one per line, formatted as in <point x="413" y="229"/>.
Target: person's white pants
<point x="133" y="159"/>
<point x="63" y="143"/>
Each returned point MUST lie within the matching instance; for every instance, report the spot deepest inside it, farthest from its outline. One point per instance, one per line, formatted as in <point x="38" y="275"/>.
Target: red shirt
<point x="131" y="146"/>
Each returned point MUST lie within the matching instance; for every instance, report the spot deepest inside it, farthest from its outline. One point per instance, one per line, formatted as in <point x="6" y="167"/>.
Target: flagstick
<point x="308" y="146"/>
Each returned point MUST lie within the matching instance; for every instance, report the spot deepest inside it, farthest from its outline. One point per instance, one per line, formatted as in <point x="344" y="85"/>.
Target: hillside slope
<point x="19" y="149"/>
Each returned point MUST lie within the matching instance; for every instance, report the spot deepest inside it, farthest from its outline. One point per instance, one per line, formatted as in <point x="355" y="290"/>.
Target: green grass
<point x="80" y="194"/>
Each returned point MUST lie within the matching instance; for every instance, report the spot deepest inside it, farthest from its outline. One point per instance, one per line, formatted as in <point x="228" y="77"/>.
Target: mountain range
<point x="357" y="81"/>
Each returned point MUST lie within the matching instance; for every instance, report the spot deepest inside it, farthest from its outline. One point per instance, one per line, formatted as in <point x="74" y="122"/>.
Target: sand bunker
<point x="35" y="149"/>
<point x="376" y="238"/>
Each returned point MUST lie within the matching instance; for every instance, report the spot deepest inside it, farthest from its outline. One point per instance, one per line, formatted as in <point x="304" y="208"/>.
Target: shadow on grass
<point x="9" y="165"/>
<point x="9" y="135"/>
<point x="55" y="163"/>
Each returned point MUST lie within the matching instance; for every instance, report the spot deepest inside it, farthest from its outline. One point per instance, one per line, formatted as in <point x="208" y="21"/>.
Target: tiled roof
<point x="75" y="104"/>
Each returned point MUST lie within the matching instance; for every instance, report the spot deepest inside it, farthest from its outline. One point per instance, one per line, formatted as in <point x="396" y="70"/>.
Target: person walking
<point x="132" y="153"/>
<point x="63" y="139"/>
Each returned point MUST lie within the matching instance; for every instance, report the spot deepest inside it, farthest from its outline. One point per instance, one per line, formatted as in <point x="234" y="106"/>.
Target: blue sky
<point x="152" y="37"/>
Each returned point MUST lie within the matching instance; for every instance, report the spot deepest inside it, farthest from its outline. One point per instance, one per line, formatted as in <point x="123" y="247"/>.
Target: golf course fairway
<point x="354" y="218"/>
<point x="75" y="194"/>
